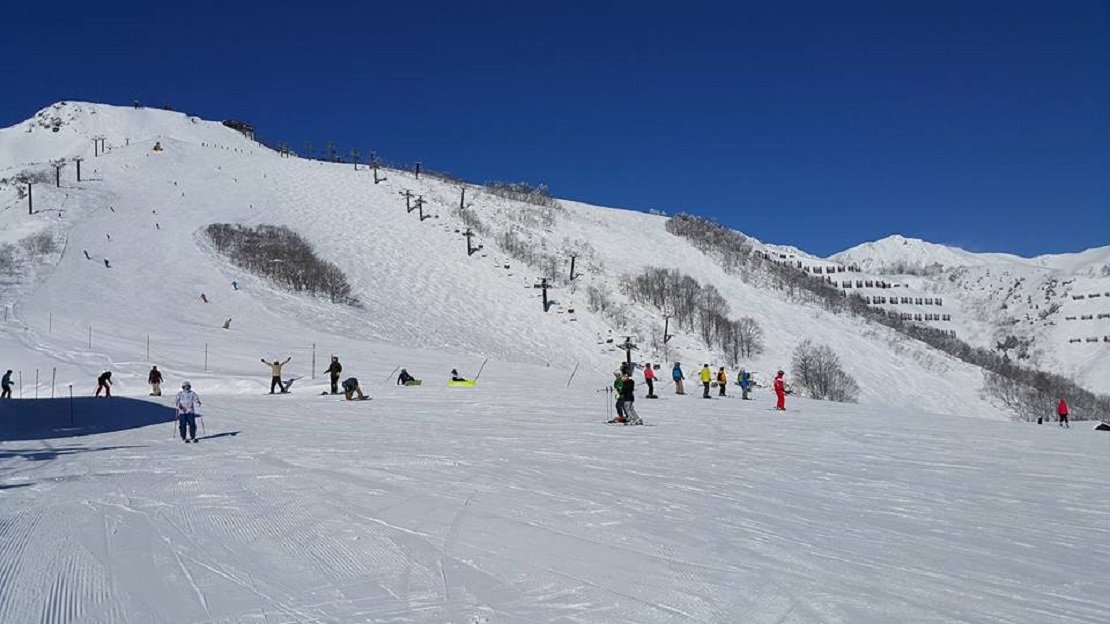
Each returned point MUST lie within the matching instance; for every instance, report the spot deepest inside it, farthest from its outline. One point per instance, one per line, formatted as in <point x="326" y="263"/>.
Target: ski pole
<point x="173" y="426"/>
<point x="202" y="430"/>
<point x="480" y="369"/>
<point x="387" y="377"/>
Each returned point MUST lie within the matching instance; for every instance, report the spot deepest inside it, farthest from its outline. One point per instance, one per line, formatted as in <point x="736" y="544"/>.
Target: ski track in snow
<point x="424" y="509"/>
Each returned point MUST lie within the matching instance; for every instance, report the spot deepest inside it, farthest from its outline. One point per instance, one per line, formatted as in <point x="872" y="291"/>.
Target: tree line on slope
<point x="283" y="256"/>
<point x="1023" y="390"/>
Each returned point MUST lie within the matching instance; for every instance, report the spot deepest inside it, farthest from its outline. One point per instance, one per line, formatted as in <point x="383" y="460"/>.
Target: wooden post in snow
<point x="543" y="285"/>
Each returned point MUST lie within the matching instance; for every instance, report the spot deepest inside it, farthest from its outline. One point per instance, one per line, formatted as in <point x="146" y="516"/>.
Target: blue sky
<point x="983" y="124"/>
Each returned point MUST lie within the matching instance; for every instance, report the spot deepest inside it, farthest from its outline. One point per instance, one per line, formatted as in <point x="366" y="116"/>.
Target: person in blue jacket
<point x="745" y="383"/>
<point x="676" y="374"/>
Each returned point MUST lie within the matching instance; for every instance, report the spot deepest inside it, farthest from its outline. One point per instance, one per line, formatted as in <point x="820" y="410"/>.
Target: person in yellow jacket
<point x="275" y="371"/>
<point x="722" y="380"/>
<point x="706" y="378"/>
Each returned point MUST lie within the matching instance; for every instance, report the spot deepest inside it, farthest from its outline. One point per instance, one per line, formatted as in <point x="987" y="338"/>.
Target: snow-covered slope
<point x="1054" y="310"/>
<point x="143" y="210"/>
<point x="509" y="502"/>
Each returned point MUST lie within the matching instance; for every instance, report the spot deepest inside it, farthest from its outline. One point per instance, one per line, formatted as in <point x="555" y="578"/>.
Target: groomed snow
<point x="511" y="503"/>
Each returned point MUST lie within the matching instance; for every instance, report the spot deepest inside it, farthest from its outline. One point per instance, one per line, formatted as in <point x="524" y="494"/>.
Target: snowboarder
<point x="227" y="324"/>
<point x="706" y="379"/>
<point x="275" y="371"/>
<point x="351" y="387"/>
<point x="780" y="391"/>
<point x="333" y="371"/>
<point x="722" y="380"/>
<point x="455" y="375"/>
<point x="187" y="403"/>
<point x="204" y="297"/>
<point x="104" y="382"/>
<point x="676" y="374"/>
<point x="155" y="381"/>
<point x="107" y="265"/>
<point x="1061" y="411"/>
<point x="235" y="285"/>
<point x="6" y="384"/>
<point x="628" y="395"/>
<point x="649" y="379"/>
<point x="404" y="377"/>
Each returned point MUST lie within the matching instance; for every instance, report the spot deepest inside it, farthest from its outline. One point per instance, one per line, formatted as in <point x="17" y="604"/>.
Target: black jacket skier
<point x="334" y="369"/>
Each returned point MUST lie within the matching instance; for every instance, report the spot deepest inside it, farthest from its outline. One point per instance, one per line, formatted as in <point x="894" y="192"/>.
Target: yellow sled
<point x="468" y="382"/>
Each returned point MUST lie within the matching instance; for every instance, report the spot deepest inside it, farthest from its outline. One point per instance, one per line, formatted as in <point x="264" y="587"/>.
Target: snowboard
<point x="414" y="382"/>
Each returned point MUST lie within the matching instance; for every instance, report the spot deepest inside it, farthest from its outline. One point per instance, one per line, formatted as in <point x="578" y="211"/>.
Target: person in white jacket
<point x="187" y="404"/>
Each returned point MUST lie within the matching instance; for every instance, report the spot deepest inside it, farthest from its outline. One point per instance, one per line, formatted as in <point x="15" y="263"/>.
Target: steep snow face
<point x="423" y="297"/>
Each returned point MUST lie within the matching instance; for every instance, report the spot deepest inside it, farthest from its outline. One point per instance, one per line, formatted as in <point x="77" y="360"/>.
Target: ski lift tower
<point x="628" y="346"/>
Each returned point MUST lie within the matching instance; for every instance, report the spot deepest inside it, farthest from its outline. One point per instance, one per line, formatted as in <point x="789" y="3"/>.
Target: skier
<point x="404" y="377"/>
<point x="155" y="381"/>
<point x="334" y="369"/>
<point x="706" y="379"/>
<point x="618" y="386"/>
<point x="6" y="384"/>
<point x="649" y="379"/>
<point x="628" y="395"/>
<point x="1061" y="411"/>
<point x="351" y="387"/>
<point x="722" y="380"/>
<point x="104" y="382"/>
<point x="187" y="403"/>
<point x="204" y="297"/>
<point x="780" y="391"/>
<point x="275" y="370"/>
<point x="745" y="384"/>
<point x="676" y="374"/>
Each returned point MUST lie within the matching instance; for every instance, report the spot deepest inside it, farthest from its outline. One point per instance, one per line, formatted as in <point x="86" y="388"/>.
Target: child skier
<point x="706" y="379"/>
<point x="722" y="380"/>
<point x="676" y="374"/>
<point x="1062" y="412"/>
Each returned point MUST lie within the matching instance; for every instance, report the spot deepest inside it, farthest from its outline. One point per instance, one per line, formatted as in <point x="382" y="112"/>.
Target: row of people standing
<point x="707" y="377"/>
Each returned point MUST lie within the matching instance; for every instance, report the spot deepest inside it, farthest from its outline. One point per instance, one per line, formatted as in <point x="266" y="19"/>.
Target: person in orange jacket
<point x="780" y="391"/>
<point x="1062" y="412"/>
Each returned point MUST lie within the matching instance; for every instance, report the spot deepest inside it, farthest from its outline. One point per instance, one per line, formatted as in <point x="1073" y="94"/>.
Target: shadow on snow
<point x="37" y="419"/>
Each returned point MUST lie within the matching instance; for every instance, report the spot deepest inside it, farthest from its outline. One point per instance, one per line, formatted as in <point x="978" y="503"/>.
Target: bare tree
<point x="817" y="369"/>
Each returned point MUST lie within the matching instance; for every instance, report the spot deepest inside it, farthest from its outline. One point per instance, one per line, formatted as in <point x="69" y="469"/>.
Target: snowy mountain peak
<point x="68" y="130"/>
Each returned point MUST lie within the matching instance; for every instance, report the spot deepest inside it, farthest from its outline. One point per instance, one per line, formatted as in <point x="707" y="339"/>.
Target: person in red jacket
<point x="649" y="379"/>
<point x="1062" y="412"/>
<point x="780" y="391"/>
